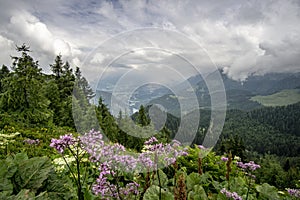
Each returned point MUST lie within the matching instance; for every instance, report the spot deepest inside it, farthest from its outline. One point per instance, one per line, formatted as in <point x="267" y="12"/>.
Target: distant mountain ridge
<point x="238" y="93"/>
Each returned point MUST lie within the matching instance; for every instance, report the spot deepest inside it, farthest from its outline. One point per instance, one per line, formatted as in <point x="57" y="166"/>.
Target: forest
<point x="50" y="147"/>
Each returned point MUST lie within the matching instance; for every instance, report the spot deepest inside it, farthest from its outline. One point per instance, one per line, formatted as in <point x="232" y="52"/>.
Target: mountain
<point x="141" y="96"/>
<point x="274" y="130"/>
<point x="272" y="83"/>
<point x="239" y="94"/>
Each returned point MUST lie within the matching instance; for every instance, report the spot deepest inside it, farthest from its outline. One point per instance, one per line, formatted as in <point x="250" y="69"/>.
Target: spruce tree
<point x="143" y="119"/>
<point x="24" y="96"/>
<point x="83" y="84"/>
<point x="57" y="67"/>
<point x="4" y="73"/>
<point x="60" y="92"/>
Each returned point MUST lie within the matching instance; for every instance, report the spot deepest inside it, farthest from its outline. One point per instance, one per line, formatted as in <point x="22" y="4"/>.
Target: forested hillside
<point x="49" y="152"/>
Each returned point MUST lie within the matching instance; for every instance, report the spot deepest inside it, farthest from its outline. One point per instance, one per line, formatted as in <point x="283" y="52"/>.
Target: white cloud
<point x="29" y="28"/>
<point x="246" y="37"/>
<point x="97" y="58"/>
<point x="7" y="46"/>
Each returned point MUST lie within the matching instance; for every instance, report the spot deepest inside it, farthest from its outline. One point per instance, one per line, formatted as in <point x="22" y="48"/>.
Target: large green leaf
<point x="23" y="195"/>
<point x="197" y="179"/>
<point x="56" y="187"/>
<point x="238" y="185"/>
<point x="20" y="157"/>
<point x="6" y="172"/>
<point x="5" y="195"/>
<point x="198" y="193"/>
<point x="163" y="179"/>
<point x="192" y="180"/>
<point x="43" y="196"/>
<point x="267" y="191"/>
<point x="153" y="194"/>
<point x="32" y="173"/>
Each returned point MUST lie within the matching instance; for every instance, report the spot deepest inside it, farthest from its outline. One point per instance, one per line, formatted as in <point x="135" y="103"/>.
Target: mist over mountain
<point x="238" y="93"/>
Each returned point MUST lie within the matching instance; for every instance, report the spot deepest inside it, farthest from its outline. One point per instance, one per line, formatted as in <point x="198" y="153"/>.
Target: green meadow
<point x="282" y="98"/>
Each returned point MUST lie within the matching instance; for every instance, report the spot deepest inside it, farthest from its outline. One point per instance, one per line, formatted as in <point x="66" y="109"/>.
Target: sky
<point x="155" y="37"/>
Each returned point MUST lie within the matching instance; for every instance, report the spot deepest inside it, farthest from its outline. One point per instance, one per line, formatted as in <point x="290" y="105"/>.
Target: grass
<point x="282" y="98"/>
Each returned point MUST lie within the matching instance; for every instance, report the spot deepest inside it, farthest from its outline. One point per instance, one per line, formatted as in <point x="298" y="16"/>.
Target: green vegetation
<point x="282" y="98"/>
<point x="43" y="157"/>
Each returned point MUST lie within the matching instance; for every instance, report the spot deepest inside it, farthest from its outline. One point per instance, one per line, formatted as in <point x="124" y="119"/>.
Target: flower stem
<point x="159" y="183"/>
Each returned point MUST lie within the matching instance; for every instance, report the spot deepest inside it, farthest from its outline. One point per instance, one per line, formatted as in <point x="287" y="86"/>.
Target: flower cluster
<point x="151" y="141"/>
<point x="294" y="192"/>
<point x="130" y="188"/>
<point x="250" y="165"/>
<point x="113" y="160"/>
<point x="153" y="155"/>
<point x="32" y="142"/>
<point x="107" y="189"/>
<point x="103" y="186"/>
<point x="101" y="152"/>
<point x="63" y="142"/>
<point x="224" y="159"/>
<point x="158" y="154"/>
<point x="233" y="195"/>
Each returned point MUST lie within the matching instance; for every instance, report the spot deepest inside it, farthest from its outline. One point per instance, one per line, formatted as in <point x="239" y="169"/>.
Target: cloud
<point x="25" y="26"/>
<point x="243" y="37"/>
<point x="8" y="45"/>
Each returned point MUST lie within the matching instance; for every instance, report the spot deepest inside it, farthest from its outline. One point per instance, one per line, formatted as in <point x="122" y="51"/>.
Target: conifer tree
<point x="143" y="119"/>
<point x="83" y="84"/>
<point x="4" y="73"/>
<point x="60" y="90"/>
<point x="57" y="67"/>
<point x="24" y="96"/>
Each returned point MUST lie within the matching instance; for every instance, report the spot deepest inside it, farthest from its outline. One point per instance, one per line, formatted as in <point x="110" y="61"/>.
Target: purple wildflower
<point x="224" y="159"/>
<point x="250" y="165"/>
<point x="63" y="142"/>
<point x="201" y="147"/>
<point x="32" y="142"/>
<point x="151" y="141"/>
<point x="107" y="189"/>
<point x="232" y="195"/>
<point x="116" y="159"/>
<point x="103" y="186"/>
<point x="294" y="192"/>
<point x="131" y="188"/>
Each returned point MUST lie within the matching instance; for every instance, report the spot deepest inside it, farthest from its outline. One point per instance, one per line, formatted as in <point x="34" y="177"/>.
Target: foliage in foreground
<point x="32" y="99"/>
<point x="31" y="178"/>
<point x="160" y="172"/>
<point x="95" y="169"/>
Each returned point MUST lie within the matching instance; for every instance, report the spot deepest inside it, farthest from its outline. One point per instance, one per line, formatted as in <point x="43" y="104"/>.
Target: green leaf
<point x="32" y="173"/>
<point x="23" y="195"/>
<point x="56" y="187"/>
<point x="6" y="172"/>
<point x="239" y="185"/>
<point x="5" y="195"/>
<point x="196" y="179"/>
<point x="198" y="193"/>
<point x="88" y="195"/>
<point x="43" y="196"/>
<point x="163" y="179"/>
<point x="267" y="191"/>
<point x="153" y="194"/>
<point x="192" y="180"/>
<point x="19" y="157"/>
